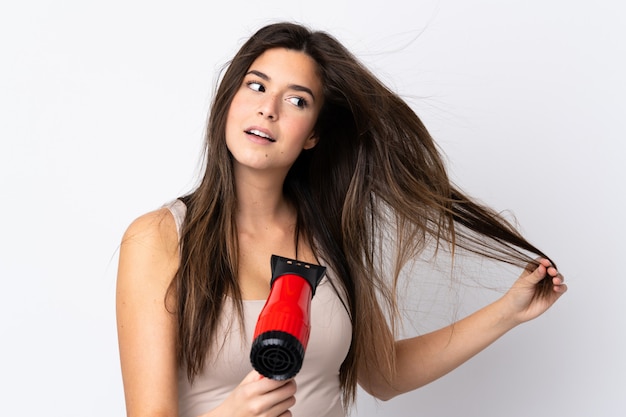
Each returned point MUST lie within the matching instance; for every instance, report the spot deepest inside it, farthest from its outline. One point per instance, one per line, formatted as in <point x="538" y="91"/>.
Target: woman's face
<point x="272" y="115"/>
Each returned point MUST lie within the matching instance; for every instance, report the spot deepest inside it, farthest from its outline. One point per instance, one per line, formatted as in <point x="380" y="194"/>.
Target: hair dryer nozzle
<point x="312" y="273"/>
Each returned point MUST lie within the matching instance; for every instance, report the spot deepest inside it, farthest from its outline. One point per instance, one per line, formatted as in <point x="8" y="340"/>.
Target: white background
<point x="102" y="107"/>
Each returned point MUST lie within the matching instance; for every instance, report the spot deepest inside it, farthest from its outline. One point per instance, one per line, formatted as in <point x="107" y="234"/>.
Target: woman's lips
<point x="259" y="133"/>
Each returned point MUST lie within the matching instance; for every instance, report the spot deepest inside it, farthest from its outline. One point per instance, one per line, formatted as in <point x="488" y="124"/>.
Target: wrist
<point x="505" y="314"/>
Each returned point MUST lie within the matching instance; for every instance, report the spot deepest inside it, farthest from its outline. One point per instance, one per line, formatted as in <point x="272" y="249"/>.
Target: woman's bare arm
<point x="423" y="359"/>
<point x="146" y="329"/>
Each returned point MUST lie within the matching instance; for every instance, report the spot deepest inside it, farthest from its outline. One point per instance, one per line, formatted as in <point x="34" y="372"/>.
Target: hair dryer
<point x="282" y="329"/>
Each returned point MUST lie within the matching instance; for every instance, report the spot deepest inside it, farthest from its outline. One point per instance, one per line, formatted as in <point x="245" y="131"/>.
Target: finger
<point x="552" y="271"/>
<point x="558" y="279"/>
<point x="267" y="385"/>
<point x="533" y="265"/>
<point x="276" y="401"/>
<point x="545" y="262"/>
<point x="282" y="407"/>
<point x="260" y="383"/>
<point x="559" y="283"/>
<point x="539" y="272"/>
<point x="285" y="390"/>
<point x="252" y="376"/>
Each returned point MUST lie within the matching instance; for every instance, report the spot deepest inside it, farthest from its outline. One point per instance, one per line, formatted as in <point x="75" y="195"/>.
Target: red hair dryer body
<point x="283" y="327"/>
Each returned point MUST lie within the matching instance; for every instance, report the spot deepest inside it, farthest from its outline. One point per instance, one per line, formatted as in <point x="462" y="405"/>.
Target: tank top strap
<point x="178" y="210"/>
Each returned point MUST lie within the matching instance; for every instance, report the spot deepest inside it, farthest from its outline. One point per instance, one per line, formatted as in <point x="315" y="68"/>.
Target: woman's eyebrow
<point x="295" y="87"/>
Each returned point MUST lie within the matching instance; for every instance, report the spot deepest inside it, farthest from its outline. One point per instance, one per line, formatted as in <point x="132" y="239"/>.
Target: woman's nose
<point x="269" y="107"/>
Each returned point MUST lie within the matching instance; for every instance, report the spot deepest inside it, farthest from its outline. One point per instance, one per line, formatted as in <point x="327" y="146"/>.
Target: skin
<point x="281" y="96"/>
<point x="146" y="330"/>
<point x="270" y="101"/>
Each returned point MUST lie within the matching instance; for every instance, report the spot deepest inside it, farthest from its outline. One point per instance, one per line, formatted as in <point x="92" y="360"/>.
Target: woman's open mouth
<point x="260" y="134"/>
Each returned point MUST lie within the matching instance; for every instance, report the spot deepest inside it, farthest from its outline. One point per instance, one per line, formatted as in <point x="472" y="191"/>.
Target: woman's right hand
<point x="258" y="396"/>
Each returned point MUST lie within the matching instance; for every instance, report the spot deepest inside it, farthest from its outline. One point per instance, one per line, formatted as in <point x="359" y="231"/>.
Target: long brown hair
<point x="375" y="171"/>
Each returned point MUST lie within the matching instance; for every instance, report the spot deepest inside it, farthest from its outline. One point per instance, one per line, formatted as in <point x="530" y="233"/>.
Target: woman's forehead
<point x="288" y="66"/>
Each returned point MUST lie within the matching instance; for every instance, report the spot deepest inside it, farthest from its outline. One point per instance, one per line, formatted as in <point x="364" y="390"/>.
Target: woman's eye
<point x="298" y="101"/>
<point x="253" y="85"/>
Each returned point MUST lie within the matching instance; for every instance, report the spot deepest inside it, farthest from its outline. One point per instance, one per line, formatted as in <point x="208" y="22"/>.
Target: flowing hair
<point x="375" y="170"/>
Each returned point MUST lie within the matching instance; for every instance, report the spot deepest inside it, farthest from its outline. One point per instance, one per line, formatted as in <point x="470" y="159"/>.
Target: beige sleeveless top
<point x="319" y="392"/>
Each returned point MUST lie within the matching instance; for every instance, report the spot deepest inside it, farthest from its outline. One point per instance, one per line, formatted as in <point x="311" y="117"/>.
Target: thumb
<point x="252" y="376"/>
<point x="539" y="272"/>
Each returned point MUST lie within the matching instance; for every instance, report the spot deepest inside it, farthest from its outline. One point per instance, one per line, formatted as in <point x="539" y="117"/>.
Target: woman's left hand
<point x="521" y="299"/>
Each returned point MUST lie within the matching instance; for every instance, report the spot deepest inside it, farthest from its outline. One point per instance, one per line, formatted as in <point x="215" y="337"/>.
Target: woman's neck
<point x="261" y="203"/>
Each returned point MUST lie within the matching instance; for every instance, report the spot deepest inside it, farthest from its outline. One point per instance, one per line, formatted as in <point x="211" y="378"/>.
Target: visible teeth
<point x="261" y="134"/>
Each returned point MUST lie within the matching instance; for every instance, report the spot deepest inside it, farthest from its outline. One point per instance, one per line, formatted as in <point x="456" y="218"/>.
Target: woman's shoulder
<point x="158" y="227"/>
<point x="151" y="242"/>
<point x="149" y="255"/>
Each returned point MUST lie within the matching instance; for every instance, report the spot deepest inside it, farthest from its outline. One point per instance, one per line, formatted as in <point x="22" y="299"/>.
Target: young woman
<point x="310" y="157"/>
